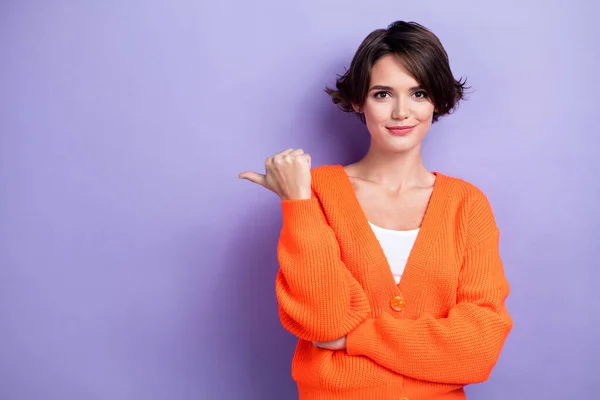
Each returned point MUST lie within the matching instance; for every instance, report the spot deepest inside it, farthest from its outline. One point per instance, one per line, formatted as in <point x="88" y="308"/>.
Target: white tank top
<point x="396" y="246"/>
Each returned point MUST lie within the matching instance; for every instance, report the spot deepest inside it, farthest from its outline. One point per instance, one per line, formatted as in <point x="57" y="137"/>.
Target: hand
<point x="339" y="344"/>
<point x="287" y="174"/>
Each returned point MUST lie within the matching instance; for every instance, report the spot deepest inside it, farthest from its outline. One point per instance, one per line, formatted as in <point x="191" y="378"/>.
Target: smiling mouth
<point x="400" y="130"/>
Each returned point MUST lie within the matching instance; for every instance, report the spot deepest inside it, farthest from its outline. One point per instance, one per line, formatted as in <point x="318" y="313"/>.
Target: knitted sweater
<point x="441" y="328"/>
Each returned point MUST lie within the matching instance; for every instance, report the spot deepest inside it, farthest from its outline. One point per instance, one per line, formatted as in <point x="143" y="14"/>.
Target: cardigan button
<point x="397" y="303"/>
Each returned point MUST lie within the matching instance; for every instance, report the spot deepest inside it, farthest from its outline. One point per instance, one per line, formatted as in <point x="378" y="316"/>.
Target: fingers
<point x="254" y="177"/>
<point x="273" y="167"/>
<point x="293" y="152"/>
<point x="260" y="179"/>
<point x="296" y="152"/>
<point x="305" y="158"/>
<point x="326" y="345"/>
<point x="287" y="155"/>
<point x="337" y="344"/>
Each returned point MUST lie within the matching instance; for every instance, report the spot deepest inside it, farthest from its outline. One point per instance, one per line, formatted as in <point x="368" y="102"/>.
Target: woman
<point x="390" y="275"/>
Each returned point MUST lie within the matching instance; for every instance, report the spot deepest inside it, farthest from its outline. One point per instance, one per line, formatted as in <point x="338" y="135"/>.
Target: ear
<point x="356" y="108"/>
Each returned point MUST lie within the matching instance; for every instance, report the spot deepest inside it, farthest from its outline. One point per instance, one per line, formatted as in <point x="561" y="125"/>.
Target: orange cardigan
<point x="441" y="328"/>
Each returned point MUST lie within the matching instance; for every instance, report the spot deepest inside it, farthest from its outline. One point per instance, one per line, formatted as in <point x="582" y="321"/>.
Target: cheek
<point x="424" y="113"/>
<point x="374" y="122"/>
<point x="376" y="113"/>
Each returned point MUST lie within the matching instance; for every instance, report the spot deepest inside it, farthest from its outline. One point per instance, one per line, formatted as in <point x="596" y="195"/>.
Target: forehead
<point x="390" y="71"/>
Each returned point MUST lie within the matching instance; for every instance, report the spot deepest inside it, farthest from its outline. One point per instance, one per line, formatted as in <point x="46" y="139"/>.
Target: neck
<point x="395" y="170"/>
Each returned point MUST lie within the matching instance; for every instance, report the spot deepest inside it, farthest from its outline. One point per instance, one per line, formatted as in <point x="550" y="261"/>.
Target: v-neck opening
<point x="424" y="236"/>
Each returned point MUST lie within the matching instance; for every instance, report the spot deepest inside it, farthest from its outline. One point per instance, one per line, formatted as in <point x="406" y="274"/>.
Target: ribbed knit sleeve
<point x="463" y="347"/>
<point x="318" y="298"/>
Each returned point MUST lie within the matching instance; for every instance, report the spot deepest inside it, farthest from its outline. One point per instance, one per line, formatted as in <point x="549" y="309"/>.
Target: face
<point x="397" y="111"/>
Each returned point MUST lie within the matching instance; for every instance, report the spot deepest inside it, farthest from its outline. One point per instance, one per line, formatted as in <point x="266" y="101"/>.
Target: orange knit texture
<point x="441" y="328"/>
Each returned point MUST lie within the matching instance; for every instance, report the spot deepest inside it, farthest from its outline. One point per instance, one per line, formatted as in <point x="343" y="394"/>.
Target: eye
<point x="381" y="95"/>
<point x="421" y="94"/>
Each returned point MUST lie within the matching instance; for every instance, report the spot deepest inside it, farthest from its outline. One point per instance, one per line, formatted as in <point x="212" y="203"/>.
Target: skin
<point x="391" y="183"/>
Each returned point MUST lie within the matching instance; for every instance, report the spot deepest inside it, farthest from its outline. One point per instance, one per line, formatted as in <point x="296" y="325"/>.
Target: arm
<point x="318" y="298"/>
<point x="459" y="349"/>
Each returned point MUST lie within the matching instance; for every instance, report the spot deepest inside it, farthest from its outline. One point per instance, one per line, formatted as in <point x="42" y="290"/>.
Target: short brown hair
<point x="423" y="56"/>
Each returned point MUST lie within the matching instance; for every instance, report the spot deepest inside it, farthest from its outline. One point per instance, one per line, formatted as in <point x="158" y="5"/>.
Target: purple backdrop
<point x="134" y="264"/>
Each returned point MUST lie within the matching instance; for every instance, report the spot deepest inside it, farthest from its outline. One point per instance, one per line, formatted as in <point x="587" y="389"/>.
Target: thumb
<point x="254" y="177"/>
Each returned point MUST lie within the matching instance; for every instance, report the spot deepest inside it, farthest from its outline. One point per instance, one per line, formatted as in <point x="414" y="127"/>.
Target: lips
<point x="400" y="130"/>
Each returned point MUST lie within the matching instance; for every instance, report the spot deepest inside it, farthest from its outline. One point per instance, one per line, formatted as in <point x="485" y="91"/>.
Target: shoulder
<point x="461" y="190"/>
<point x="464" y="194"/>
<point x="324" y="170"/>
<point x="472" y="206"/>
<point x="331" y="185"/>
<point x="327" y="175"/>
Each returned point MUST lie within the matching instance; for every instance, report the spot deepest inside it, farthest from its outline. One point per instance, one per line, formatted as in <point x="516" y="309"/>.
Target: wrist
<point x="300" y="196"/>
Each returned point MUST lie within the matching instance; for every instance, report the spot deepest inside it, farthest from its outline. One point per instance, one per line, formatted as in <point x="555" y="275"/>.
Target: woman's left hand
<point x="339" y="344"/>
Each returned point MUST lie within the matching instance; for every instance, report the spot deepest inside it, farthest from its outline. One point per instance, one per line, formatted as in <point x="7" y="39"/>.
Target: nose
<point x="400" y="110"/>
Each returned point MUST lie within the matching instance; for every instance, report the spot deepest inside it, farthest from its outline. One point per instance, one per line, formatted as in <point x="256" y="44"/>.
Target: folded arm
<point x="461" y="348"/>
<point x="318" y="298"/>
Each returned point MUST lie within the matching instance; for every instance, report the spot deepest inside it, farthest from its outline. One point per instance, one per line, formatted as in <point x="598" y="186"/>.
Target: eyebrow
<point x="391" y="89"/>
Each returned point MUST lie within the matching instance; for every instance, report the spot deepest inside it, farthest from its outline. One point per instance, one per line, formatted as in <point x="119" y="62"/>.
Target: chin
<point x="398" y="144"/>
<point x="398" y="148"/>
